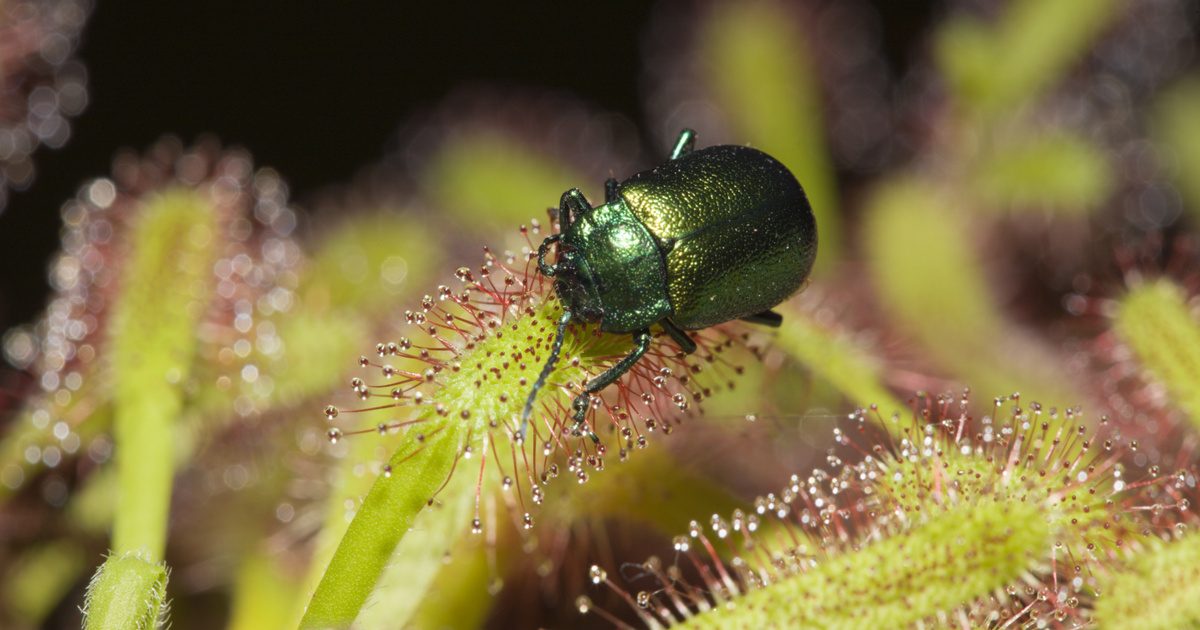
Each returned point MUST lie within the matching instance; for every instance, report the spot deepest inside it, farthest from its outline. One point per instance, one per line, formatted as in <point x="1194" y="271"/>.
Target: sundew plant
<point x="980" y="411"/>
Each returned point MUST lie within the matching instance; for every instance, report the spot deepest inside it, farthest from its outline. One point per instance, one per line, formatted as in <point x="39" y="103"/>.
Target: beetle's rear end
<point x="738" y="230"/>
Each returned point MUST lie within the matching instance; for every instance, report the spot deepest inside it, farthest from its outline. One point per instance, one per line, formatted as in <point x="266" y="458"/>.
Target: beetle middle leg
<point x="641" y="341"/>
<point x="765" y="318"/>
<point x="679" y="335"/>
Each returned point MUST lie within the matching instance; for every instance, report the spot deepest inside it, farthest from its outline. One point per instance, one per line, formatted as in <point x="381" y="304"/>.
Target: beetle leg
<point x="685" y="144"/>
<point x="611" y="190"/>
<point x="765" y="318"/>
<point x="679" y="335"/>
<point x="641" y="340"/>
<point x="547" y="270"/>
<point x="572" y="201"/>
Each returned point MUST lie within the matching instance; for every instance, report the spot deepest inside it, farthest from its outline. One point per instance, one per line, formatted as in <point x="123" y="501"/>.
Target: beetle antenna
<point x="546" y="370"/>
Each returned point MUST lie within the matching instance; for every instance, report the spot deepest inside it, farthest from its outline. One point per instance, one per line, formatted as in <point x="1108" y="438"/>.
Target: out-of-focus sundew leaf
<point x="837" y="360"/>
<point x="1155" y="321"/>
<point x="1176" y="128"/>
<point x="250" y="264"/>
<point x="128" y="591"/>
<point x="369" y="262"/>
<point x="674" y="497"/>
<point x="993" y="68"/>
<point x="91" y="507"/>
<point x="36" y="581"/>
<point x="934" y="288"/>
<point x="1168" y="573"/>
<point x="762" y="77"/>
<point x="365" y="270"/>
<point x="653" y="489"/>
<point x="491" y="181"/>
<point x="359" y="277"/>
<point x="28" y="430"/>
<point x="1055" y="172"/>
<point x="165" y="290"/>
<point x="263" y="594"/>
<point x="459" y="598"/>
<point x="420" y="556"/>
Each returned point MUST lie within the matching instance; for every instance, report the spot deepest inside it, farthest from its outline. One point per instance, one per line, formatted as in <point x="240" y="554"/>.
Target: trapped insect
<point x="709" y="236"/>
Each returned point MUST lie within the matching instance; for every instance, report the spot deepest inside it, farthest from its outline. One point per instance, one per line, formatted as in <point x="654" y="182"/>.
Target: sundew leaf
<point x="1176" y="128"/>
<point x="490" y="180"/>
<point x="1156" y="590"/>
<point x="655" y="490"/>
<point x="165" y="289"/>
<point x="956" y="556"/>
<point x="946" y="520"/>
<point x="993" y="69"/>
<point x="1155" y="320"/>
<point x="38" y="579"/>
<point x="934" y="288"/>
<point x="387" y="513"/>
<point x="421" y="554"/>
<point x="836" y="359"/>
<point x="263" y="593"/>
<point x="1055" y="172"/>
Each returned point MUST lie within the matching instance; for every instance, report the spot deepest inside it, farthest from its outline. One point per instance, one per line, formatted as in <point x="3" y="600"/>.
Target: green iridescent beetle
<point x="710" y="236"/>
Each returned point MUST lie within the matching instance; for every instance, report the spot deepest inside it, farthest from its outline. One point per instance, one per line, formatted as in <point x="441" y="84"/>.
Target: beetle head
<point x="572" y="280"/>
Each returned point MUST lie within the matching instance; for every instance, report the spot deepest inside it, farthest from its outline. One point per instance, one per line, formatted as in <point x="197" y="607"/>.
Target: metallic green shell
<point x="737" y="229"/>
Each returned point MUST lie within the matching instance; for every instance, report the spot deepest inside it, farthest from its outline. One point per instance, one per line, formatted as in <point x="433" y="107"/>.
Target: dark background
<point x="316" y="90"/>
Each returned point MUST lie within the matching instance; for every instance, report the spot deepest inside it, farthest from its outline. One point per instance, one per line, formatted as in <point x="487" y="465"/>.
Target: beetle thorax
<point x="612" y="270"/>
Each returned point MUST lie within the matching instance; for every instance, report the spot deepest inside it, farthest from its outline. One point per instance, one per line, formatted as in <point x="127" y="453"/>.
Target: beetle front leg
<point x="571" y="201"/>
<point x="612" y="190"/>
<point x="641" y="340"/>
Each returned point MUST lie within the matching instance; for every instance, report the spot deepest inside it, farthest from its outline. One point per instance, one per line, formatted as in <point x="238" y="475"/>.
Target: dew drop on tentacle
<point x="596" y="574"/>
